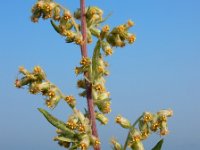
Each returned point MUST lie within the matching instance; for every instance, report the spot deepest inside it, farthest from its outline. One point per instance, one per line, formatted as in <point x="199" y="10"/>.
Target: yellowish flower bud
<point x="106" y="28"/>
<point x="123" y="122"/>
<point x="103" y="96"/>
<point x="66" y="15"/>
<point x="101" y="118"/>
<point x="134" y="137"/>
<point x="166" y="112"/>
<point x="71" y="124"/>
<point x="116" y="144"/>
<point x="23" y="70"/>
<point x="99" y="88"/>
<point x="84" y="145"/>
<point x="137" y="146"/>
<point x="147" y="117"/>
<point x="81" y="84"/>
<point x="85" y="61"/>
<point x="71" y="101"/>
<point x="131" y="38"/>
<point x="163" y="128"/>
<point x="104" y="107"/>
<point x="95" y="32"/>
<point x="56" y="13"/>
<point x="39" y="72"/>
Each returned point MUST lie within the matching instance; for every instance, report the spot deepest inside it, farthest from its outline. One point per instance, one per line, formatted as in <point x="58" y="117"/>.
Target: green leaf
<point x="158" y="146"/>
<point x="64" y="139"/>
<point x="57" y="123"/>
<point x="55" y="26"/>
<point x="95" y="58"/>
<point x="106" y="18"/>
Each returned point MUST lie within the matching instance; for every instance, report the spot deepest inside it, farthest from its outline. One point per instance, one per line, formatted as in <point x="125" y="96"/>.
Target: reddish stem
<point x="89" y="86"/>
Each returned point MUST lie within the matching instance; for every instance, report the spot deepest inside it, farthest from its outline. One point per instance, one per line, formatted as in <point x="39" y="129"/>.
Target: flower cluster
<point x="147" y="124"/>
<point x="49" y="9"/>
<point x="85" y="66"/>
<point x="76" y="133"/>
<point x="82" y="136"/>
<point x="119" y="35"/>
<point x="38" y="83"/>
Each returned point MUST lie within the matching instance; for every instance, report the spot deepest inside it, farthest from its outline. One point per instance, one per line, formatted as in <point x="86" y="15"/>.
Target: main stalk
<point x="90" y="103"/>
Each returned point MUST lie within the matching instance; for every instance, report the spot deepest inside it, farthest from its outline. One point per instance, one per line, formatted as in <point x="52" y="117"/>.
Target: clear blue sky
<point x="161" y="70"/>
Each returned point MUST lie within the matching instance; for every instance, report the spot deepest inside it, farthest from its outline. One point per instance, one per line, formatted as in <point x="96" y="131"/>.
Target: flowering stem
<point x="89" y="86"/>
<point x="133" y="126"/>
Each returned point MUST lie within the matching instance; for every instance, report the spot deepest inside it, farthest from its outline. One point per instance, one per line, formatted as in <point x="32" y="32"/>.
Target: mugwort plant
<point x="80" y="131"/>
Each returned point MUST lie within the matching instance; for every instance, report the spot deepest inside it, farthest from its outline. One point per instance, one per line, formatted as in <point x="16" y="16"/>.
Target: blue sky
<point x="160" y="70"/>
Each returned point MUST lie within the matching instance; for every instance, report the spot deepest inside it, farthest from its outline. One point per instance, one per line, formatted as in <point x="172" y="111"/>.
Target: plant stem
<point x="90" y="103"/>
<point x="133" y="126"/>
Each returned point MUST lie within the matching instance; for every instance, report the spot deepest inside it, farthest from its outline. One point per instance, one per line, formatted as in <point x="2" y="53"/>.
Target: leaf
<point x="106" y="18"/>
<point x="57" y="123"/>
<point x="55" y="26"/>
<point x="64" y="139"/>
<point x="95" y="58"/>
<point x="158" y="146"/>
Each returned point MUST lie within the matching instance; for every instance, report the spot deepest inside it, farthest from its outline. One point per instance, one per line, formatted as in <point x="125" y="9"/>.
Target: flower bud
<point x="131" y="38"/>
<point x="107" y="48"/>
<point x="104" y="31"/>
<point x="104" y="107"/>
<point x="147" y="117"/>
<point x="23" y="70"/>
<point x="118" y="30"/>
<point x="101" y="118"/>
<point x="137" y="146"/>
<point x="129" y="24"/>
<point x="95" y="32"/>
<point x="144" y="129"/>
<point x="85" y="143"/>
<point x="40" y="4"/>
<point x="66" y="15"/>
<point x="78" y="70"/>
<point x="154" y="123"/>
<point x="118" y="41"/>
<point x="104" y="96"/>
<point x="78" y="39"/>
<point x="33" y="88"/>
<point x="39" y="72"/>
<point x="163" y="128"/>
<point x="53" y="101"/>
<point x="125" y="123"/>
<point x="91" y="11"/>
<point x="56" y="13"/>
<point x="99" y="88"/>
<point x="71" y="101"/>
<point x="71" y="124"/>
<point x="81" y="128"/>
<point x="116" y="145"/>
<point x="95" y="141"/>
<point x="44" y="87"/>
<point x="85" y="61"/>
<point x="81" y="84"/>
<point x="134" y="136"/>
<point x="166" y="112"/>
<point x="22" y="82"/>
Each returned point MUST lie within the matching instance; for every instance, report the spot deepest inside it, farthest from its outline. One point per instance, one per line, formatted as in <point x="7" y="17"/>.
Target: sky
<point x="159" y="71"/>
